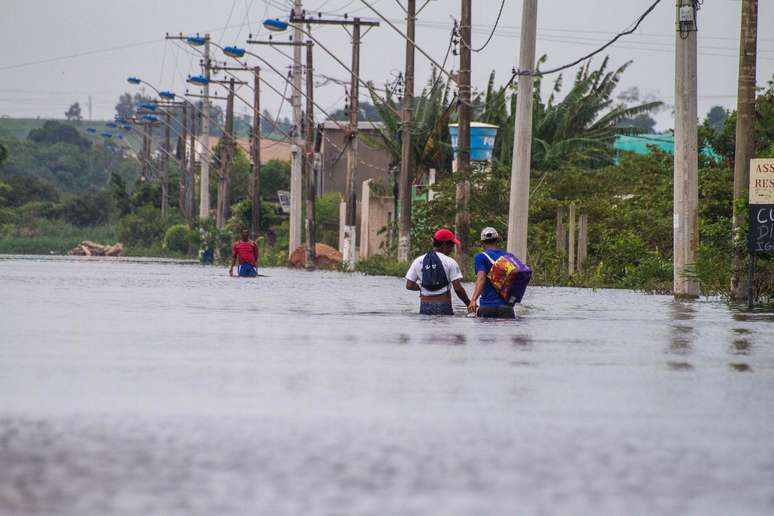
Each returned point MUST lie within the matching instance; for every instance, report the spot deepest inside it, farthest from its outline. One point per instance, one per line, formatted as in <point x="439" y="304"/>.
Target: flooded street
<point x="131" y="387"/>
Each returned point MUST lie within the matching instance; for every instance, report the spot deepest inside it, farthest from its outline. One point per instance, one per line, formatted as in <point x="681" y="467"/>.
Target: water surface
<point x="143" y="387"/>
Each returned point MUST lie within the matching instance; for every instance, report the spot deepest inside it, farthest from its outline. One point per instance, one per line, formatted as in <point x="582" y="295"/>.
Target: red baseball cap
<point x="444" y="235"/>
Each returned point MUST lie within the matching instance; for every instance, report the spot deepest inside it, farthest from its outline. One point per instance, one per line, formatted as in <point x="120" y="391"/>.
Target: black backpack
<point x="433" y="273"/>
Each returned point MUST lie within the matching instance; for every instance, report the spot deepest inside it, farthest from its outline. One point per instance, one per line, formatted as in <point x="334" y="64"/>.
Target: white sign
<point x="762" y="181"/>
<point x="284" y="200"/>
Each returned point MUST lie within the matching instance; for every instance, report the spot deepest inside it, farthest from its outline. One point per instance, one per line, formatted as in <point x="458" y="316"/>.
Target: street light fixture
<point x="198" y="80"/>
<point x="234" y="52"/>
<point x="275" y="25"/>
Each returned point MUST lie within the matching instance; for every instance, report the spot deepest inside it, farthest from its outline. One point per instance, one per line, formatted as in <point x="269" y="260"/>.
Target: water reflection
<point x="683" y="333"/>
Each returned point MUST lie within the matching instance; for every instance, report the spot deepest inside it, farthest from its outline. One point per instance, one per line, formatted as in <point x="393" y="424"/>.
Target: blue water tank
<point x="482" y="140"/>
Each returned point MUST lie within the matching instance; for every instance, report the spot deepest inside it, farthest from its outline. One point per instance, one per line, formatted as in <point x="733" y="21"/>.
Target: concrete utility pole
<point x="255" y="157"/>
<point x="350" y="239"/>
<point x="294" y="237"/>
<point x="518" y="211"/>
<point x="745" y="138"/>
<point x="407" y="155"/>
<point x="686" y="160"/>
<point x="204" y="180"/>
<point x="462" y="219"/>
<point x="191" y="179"/>
<point x="311" y="240"/>
<point x="165" y="165"/>
<point x="226" y="160"/>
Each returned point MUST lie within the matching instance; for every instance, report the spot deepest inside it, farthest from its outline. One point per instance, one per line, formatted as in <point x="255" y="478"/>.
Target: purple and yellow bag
<point x="509" y="277"/>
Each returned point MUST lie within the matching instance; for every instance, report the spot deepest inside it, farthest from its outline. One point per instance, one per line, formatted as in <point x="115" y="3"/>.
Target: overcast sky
<point x="113" y="39"/>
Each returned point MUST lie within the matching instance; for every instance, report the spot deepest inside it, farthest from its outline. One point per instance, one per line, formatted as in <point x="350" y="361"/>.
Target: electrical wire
<point x="494" y="28"/>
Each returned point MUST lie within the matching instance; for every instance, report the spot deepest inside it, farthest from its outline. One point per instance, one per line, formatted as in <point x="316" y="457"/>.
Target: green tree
<point x="74" y="112"/>
<point x="55" y="132"/>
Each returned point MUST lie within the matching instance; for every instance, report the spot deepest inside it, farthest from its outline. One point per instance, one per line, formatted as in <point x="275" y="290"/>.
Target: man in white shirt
<point x="440" y="273"/>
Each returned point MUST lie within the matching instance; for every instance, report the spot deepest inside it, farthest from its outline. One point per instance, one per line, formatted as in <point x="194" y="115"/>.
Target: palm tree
<point x="580" y="128"/>
<point x="430" y="137"/>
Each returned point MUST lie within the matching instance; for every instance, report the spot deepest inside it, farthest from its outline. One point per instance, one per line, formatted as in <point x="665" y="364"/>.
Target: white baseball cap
<point x="489" y="234"/>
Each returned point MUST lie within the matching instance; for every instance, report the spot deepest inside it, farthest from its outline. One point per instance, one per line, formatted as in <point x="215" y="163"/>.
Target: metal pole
<point x="165" y="166"/>
<point x="686" y="161"/>
<point x="518" y="212"/>
<point x="745" y="140"/>
<point x="294" y="238"/>
<point x="407" y="154"/>
<point x="462" y="219"/>
<point x="311" y="241"/>
<point x="255" y="151"/>
<point x="350" y="241"/>
<point x="204" y="182"/>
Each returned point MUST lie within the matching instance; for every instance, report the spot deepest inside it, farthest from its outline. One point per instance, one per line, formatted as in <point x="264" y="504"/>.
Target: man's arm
<point x="460" y="291"/>
<point x="411" y="285"/>
<point x="480" y="282"/>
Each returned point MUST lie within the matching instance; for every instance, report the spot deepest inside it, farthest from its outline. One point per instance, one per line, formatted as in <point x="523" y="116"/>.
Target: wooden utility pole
<point x="462" y="218"/>
<point x="255" y="157"/>
<point x="518" y="212"/>
<point x="165" y="165"/>
<point x="686" y="159"/>
<point x="311" y="240"/>
<point x="350" y="239"/>
<point x="296" y="164"/>
<point x="561" y="233"/>
<point x="745" y="139"/>
<point x="226" y="159"/>
<point x="407" y="152"/>
<point x="182" y="162"/>
<point x="146" y="148"/>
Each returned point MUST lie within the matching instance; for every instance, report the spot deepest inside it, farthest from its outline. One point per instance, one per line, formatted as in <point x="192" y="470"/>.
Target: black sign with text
<point x="760" y="239"/>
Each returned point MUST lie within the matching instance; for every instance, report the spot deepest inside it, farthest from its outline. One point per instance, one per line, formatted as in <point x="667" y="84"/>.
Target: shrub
<point x="142" y="228"/>
<point x="89" y="209"/>
<point x="180" y="238"/>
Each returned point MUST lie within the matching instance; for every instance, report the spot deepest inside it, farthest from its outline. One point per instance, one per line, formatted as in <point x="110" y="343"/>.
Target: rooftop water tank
<point x="482" y="140"/>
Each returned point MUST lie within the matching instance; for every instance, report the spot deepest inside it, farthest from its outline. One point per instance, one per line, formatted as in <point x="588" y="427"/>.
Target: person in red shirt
<point x="246" y="251"/>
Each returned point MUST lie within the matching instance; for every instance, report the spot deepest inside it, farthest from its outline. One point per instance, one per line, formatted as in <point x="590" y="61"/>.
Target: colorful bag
<point x="509" y="277"/>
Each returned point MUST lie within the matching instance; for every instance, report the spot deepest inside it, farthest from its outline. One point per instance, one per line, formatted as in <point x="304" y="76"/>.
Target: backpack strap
<point x="488" y="257"/>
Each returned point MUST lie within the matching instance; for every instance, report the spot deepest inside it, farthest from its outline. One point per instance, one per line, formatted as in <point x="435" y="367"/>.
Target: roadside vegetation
<point x="59" y="185"/>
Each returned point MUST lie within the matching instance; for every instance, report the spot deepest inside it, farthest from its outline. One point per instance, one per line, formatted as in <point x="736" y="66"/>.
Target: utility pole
<point x="349" y="240"/>
<point x="518" y="211"/>
<point x="745" y="139"/>
<point x="294" y="237"/>
<point x="191" y="179"/>
<point x="311" y="240"/>
<point x="255" y="157"/>
<point x="89" y="108"/>
<point x="146" y="150"/>
<point x="350" y="230"/>
<point x="462" y="219"/>
<point x="182" y="162"/>
<point x="227" y="153"/>
<point x="686" y="160"/>
<point x="204" y="180"/>
<point x="165" y="166"/>
<point x="407" y="153"/>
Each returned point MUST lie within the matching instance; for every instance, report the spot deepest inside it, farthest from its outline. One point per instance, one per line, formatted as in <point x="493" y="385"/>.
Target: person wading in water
<point x="492" y="305"/>
<point x="246" y="251"/>
<point x="434" y="274"/>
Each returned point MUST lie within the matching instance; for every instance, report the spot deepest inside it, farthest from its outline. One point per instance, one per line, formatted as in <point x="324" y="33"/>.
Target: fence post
<point x="571" y="243"/>
<point x="583" y="241"/>
<point x="365" y="209"/>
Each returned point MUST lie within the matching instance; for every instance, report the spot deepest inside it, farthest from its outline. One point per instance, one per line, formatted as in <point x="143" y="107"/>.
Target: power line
<point x="494" y="28"/>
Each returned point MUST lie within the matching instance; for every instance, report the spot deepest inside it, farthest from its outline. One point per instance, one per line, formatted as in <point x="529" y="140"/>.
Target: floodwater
<point x="132" y="387"/>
